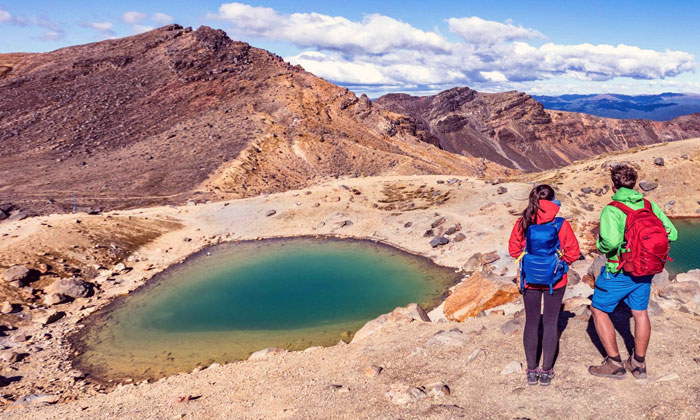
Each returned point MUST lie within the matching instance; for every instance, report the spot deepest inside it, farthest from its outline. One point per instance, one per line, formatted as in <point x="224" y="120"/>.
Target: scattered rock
<point x="659" y="161"/>
<point x="669" y="205"/>
<point x="502" y="190"/>
<point x="18" y="274"/>
<point x="438" y="222"/>
<point x="586" y="190"/>
<point x="476" y="353"/>
<point x="401" y="394"/>
<point x="477" y="294"/>
<point x="372" y="371"/>
<point x="453" y="338"/>
<point x="490" y="257"/>
<point x="450" y="231"/>
<point x="459" y="237"/>
<point x="55" y="299"/>
<point x="9" y="356"/>
<point x="265" y="353"/>
<point x="45" y="317"/>
<point x="120" y="269"/>
<point x="439" y="241"/>
<point x="428" y="233"/>
<point x="405" y="315"/>
<point x="6" y="307"/>
<point x="38" y="399"/>
<point x="681" y="291"/>
<point x="512" y="367"/>
<point x="437" y="390"/>
<point x="73" y="287"/>
<point x="270" y="213"/>
<point x="648" y="185"/>
<point x="342" y="223"/>
<point x="473" y="263"/>
<point x="654" y="309"/>
<point x="512" y="326"/>
<point x="668" y="377"/>
<point x="408" y="224"/>
<point x="661" y="279"/>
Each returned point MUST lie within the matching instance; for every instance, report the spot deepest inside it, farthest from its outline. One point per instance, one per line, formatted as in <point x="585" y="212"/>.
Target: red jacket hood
<point x="547" y="212"/>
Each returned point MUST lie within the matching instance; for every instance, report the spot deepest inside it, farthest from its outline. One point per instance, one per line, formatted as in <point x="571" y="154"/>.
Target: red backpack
<point x="645" y="248"/>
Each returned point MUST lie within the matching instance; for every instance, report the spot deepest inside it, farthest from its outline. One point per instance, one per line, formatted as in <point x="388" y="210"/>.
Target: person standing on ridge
<point x="634" y="236"/>
<point x="544" y="245"/>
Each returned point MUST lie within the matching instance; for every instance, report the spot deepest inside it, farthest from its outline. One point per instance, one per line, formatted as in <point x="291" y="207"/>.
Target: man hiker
<point x="634" y="236"/>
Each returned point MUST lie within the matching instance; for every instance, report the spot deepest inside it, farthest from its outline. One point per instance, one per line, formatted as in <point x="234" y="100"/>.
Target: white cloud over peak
<point x="133" y="17"/>
<point x="385" y="52"/>
<point x="479" y="31"/>
<point x="374" y="34"/>
<point x="162" y="18"/>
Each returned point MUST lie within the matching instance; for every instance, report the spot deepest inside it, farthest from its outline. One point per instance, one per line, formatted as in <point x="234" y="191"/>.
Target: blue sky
<point x="421" y="47"/>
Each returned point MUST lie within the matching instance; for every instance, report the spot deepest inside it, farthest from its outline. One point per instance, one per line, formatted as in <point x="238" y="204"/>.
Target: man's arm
<point x="611" y="233"/>
<point x="670" y="229"/>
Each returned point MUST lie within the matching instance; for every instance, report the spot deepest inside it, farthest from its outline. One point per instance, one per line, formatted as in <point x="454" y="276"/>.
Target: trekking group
<point x="634" y="237"/>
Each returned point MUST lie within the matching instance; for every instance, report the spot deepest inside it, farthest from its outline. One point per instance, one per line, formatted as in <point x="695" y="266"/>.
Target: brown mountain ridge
<point x="514" y="130"/>
<point x="175" y="114"/>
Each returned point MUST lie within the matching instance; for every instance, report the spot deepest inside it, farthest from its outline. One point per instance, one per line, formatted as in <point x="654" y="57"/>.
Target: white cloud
<point x="382" y="51"/>
<point x="5" y="16"/>
<point x="133" y="17"/>
<point x="479" y="31"/>
<point x="106" y="27"/>
<point x="374" y="34"/>
<point x="138" y="28"/>
<point x="161" y="18"/>
<point x="52" y="36"/>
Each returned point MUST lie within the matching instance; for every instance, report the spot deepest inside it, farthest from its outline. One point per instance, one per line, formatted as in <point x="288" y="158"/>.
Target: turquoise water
<point x="686" y="250"/>
<point x="292" y="293"/>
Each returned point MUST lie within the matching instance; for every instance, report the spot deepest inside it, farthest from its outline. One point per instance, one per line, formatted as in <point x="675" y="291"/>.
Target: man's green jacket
<point x="612" y="224"/>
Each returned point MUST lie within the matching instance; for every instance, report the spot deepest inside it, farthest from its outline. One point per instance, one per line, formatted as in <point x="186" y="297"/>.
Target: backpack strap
<point x="647" y="205"/>
<point x="558" y="222"/>
<point x="622" y="207"/>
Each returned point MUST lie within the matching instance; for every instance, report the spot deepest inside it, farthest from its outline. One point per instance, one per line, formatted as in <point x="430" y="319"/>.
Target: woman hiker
<point x="545" y="245"/>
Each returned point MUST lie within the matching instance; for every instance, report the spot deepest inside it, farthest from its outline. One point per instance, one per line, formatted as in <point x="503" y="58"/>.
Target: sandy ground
<point x="296" y="385"/>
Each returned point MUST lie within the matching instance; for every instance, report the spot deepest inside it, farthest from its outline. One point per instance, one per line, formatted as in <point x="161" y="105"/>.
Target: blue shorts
<point x="611" y="288"/>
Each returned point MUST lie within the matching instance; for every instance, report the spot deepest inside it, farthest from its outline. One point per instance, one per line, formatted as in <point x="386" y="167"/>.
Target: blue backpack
<point x="541" y="263"/>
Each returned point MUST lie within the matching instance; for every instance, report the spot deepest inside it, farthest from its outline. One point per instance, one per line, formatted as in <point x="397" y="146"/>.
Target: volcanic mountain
<point x="514" y="130"/>
<point x="175" y="114"/>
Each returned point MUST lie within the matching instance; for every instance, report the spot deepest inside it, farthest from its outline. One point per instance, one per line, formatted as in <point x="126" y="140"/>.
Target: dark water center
<point x="686" y="250"/>
<point x="291" y="293"/>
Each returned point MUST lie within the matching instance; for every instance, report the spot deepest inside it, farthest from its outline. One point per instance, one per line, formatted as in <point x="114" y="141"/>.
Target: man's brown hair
<point x="623" y="176"/>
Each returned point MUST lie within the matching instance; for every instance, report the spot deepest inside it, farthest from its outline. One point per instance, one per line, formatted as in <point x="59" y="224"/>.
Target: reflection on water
<point x="292" y="293"/>
<point x="686" y="250"/>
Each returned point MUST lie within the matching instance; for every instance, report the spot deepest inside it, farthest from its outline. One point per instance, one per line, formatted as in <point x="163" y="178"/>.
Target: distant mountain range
<point x="661" y="107"/>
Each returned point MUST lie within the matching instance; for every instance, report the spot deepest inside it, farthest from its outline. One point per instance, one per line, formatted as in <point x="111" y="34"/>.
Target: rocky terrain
<point x="176" y="114"/>
<point x="514" y="130"/>
<point x="462" y="359"/>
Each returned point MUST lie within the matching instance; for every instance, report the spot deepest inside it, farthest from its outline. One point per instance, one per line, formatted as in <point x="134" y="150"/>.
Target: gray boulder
<point x="16" y="273"/>
<point x="439" y="241"/>
<point x="659" y="161"/>
<point x="648" y="185"/>
<point x="72" y="287"/>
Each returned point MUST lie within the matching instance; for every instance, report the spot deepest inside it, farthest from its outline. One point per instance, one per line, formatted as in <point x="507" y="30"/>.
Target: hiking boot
<point x="533" y="375"/>
<point x="638" y="370"/>
<point x="608" y="369"/>
<point x="546" y="376"/>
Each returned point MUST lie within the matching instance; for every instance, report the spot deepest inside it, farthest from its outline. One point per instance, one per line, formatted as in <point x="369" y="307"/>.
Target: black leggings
<point x="550" y="336"/>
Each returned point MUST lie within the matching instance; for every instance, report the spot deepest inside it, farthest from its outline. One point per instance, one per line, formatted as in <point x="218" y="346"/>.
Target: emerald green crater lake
<point x="686" y="250"/>
<point x="237" y="298"/>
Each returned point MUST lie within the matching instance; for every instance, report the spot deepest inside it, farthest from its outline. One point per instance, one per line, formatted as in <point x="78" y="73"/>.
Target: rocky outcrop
<point x="176" y="114"/>
<point x="476" y="294"/>
<point x="514" y="130"/>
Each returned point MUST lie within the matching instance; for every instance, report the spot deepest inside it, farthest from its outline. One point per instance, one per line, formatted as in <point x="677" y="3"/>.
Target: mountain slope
<point x="661" y="107"/>
<point x="173" y="114"/>
<point x="514" y="130"/>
